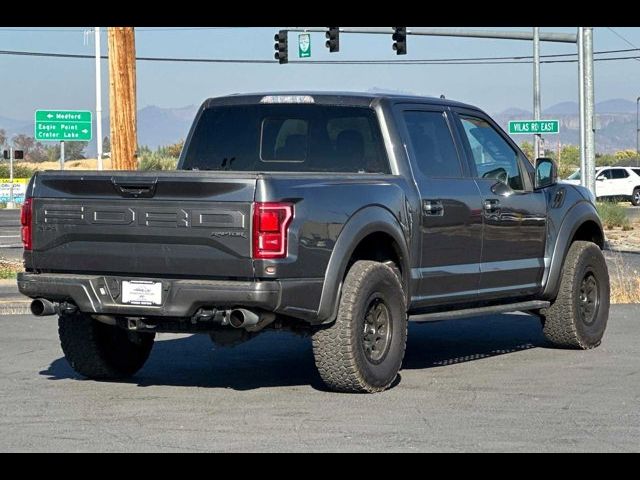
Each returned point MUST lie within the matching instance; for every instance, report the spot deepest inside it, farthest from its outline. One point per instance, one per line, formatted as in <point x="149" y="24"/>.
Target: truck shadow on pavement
<point x="284" y="360"/>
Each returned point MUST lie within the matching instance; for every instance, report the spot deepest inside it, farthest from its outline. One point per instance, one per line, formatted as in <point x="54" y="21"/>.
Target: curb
<point x="15" y="308"/>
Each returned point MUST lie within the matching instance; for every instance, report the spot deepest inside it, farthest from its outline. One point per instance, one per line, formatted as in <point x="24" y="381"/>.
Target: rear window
<point x="287" y="138"/>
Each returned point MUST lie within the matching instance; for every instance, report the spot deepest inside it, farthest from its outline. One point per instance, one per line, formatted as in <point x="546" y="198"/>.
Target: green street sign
<point x="62" y="125"/>
<point x="304" y="45"/>
<point x="533" y="127"/>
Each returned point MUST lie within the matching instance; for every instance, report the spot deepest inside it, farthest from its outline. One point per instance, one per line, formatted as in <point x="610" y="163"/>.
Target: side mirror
<point x="600" y="178"/>
<point x="546" y="173"/>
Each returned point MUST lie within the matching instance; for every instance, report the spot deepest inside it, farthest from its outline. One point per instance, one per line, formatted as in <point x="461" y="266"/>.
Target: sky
<point x="30" y="83"/>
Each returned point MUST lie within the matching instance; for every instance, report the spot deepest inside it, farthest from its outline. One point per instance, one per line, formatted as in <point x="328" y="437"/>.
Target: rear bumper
<point x="180" y="298"/>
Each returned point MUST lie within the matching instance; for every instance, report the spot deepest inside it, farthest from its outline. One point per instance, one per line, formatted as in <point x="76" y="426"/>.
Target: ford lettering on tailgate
<point x="52" y="214"/>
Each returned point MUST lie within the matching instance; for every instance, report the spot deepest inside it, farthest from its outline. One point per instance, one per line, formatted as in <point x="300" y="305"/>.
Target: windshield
<point x="287" y="138"/>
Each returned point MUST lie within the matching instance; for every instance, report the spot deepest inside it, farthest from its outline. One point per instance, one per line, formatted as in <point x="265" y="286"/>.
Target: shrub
<point x="19" y="171"/>
<point x="155" y="161"/>
<point x="613" y="215"/>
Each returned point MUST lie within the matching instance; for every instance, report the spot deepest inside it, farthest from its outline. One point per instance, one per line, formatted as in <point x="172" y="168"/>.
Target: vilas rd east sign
<point x="533" y="127"/>
<point x="62" y="125"/>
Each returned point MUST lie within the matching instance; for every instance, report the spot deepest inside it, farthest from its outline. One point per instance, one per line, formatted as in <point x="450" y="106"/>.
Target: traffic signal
<point x="333" y="42"/>
<point x="282" y="47"/>
<point x="18" y="154"/>
<point x="5" y="154"/>
<point x="400" y="40"/>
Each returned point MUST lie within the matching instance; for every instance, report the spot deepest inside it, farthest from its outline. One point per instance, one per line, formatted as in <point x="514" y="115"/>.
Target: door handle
<point x="433" y="208"/>
<point x="491" y="206"/>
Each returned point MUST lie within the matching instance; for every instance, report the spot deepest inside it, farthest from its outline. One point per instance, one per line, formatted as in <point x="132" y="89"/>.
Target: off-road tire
<point x="340" y="350"/>
<point x="99" y="351"/>
<point x="564" y="323"/>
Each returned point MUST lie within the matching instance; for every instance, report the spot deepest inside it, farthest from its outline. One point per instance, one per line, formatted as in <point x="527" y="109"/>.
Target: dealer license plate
<point x="139" y="292"/>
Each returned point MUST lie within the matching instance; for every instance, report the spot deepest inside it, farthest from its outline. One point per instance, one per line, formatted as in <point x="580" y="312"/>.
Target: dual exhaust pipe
<point x="238" y="318"/>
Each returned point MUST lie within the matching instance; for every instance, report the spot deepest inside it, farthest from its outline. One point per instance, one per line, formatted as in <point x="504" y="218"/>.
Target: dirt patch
<point x="624" y="240"/>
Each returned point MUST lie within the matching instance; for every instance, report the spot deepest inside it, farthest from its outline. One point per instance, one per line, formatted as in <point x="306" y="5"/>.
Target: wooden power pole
<point x="122" y="98"/>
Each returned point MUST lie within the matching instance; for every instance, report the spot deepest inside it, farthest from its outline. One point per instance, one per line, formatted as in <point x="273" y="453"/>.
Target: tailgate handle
<point x="135" y="188"/>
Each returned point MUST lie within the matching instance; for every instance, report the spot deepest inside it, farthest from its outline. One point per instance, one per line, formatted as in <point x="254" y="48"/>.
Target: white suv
<point x="619" y="182"/>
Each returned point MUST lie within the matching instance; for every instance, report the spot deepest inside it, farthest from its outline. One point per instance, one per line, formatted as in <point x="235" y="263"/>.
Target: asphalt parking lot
<point x="484" y="384"/>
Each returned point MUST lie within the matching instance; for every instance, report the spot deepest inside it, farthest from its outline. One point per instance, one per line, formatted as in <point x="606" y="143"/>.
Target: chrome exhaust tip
<point x="241" y="318"/>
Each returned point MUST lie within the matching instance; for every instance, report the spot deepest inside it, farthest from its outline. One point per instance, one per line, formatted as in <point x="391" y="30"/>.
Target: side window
<point x="493" y="156"/>
<point x="605" y="174"/>
<point x="436" y="154"/>
<point x="354" y="141"/>
<point x="636" y="171"/>
<point x="619" y="173"/>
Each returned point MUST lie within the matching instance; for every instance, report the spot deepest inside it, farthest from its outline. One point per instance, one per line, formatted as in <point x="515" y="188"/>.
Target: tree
<point x="74" y="150"/>
<point x="23" y="142"/>
<point x="527" y="148"/>
<point x="175" y="149"/>
<point x="569" y="160"/>
<point x="3" y="136"/>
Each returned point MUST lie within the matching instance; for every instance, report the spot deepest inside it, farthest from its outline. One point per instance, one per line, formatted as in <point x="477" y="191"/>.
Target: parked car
<point x="614" y="183"/>
<point x="339" y="216"/>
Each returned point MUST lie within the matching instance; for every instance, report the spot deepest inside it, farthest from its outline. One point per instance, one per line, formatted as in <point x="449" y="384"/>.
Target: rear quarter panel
<point x="323" y="204"/>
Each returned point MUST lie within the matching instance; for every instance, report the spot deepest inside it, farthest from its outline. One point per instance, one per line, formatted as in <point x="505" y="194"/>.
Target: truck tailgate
<point x="182" y="224"/>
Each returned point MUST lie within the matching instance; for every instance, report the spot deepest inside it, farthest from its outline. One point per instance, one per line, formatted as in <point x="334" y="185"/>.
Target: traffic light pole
<point x="583" y="39"/>
<point x="451" y="32"/>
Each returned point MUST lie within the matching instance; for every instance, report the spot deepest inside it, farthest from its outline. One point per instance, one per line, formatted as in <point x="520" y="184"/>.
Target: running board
<point x="474" y="312"/>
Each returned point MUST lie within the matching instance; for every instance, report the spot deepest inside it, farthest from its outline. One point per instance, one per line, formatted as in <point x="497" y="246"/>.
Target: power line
<point x="619" y="35"/>
<point x="80" y="30"/>
<point x="441" y="61"/>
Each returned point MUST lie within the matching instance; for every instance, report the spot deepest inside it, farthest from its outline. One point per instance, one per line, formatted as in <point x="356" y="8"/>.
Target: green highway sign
<point x="62" y="125"/>
<point x="304" y="45"/>
<point x="533" y="127"/>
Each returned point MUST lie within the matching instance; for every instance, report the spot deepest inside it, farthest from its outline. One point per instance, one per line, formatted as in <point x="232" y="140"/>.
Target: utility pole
<point x="536" y="88"/>
<point x="589" y="103"/>
<point x="583" y="157"/>
<point x="122" y="98"/>
<point x="62" y="155"/>
<point x="98" y="98"/>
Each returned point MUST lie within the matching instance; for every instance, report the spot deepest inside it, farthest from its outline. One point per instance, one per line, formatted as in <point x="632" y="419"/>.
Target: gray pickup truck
<point x="338" y="216"/>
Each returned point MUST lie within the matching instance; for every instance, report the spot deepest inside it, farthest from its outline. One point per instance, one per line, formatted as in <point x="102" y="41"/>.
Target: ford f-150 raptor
<point x="336" y="215"/>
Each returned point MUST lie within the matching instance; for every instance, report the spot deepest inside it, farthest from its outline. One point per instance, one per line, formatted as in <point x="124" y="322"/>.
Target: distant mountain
<point x="615" y="124"/>
<point x="163" y="126"/>
<point x="517" y="112"/>
<point x="563" y="108"/>
<point x="156" y="126"/>
<point x="617" y="105"/>
<point x="389" y="91"/>
<point x="10" y="124"/>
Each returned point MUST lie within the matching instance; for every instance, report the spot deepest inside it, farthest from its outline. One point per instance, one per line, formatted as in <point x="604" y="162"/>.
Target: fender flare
<point x="372" y="219"/>
<point x="582" y="212"/>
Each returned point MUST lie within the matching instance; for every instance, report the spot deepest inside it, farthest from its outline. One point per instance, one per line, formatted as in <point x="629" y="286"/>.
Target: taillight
<point x="25" y="220"/>
<point x="270" y="224"/>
